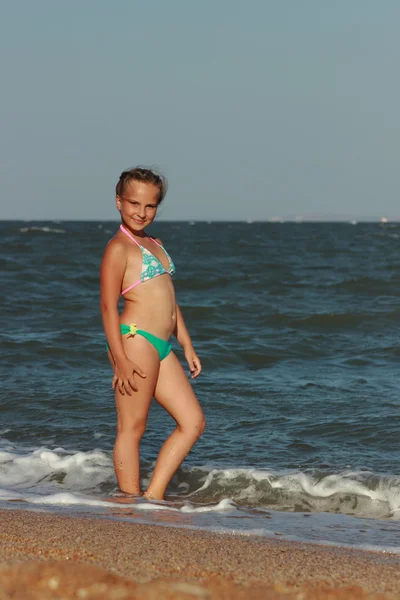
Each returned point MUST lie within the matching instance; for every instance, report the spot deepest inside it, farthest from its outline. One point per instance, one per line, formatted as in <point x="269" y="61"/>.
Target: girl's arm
<point x="183" y="337"/>
<point x="111" y="273"/>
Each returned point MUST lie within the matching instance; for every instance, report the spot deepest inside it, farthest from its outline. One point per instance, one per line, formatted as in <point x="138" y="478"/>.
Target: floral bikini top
<point x="151" y="266"/>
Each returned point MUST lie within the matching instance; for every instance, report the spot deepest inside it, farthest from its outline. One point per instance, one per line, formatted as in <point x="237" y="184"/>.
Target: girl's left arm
<point x="183" y="337"/>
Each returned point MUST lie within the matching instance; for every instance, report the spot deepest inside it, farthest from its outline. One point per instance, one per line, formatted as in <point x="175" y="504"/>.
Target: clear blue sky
<point x="252" y="109"/>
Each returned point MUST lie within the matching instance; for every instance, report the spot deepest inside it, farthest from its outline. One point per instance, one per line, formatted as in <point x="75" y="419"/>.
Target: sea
<point x="297" y="326"/>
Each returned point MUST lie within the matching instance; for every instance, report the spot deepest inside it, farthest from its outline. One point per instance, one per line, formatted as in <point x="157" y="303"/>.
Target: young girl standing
<point x="138" y="267"/>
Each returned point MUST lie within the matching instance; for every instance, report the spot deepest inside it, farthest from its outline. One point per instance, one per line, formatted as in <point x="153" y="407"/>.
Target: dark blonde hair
<point x="144" y="175"/>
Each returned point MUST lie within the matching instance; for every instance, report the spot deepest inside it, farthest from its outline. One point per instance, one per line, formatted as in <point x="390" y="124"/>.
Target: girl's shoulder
<point x="116" y="247"/>
<point x="116" y="242"/>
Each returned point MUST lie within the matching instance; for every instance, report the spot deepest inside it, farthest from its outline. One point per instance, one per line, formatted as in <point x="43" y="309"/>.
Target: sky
<point x="253" y="110"/>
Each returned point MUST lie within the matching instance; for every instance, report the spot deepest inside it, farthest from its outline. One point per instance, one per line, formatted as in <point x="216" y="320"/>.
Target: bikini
<point x="151" y="268"/>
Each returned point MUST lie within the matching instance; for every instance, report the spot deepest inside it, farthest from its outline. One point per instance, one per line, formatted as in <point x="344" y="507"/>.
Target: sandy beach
<point x="44" y="555"/>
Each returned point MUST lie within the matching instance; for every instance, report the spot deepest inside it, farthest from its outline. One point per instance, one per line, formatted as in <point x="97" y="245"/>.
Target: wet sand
<point x="44" y="555"/>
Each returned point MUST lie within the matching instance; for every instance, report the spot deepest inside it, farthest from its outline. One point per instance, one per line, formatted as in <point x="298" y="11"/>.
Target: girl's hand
<point x="123" y="376"/>
<point x="193" y="362"/>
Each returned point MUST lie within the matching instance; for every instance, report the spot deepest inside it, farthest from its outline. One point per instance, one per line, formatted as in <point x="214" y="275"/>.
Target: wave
<point x="326" y="322"/>
<point x="371" y="285"/>
<point x="357" y="493"/>
<point x="317" y="320"/>
<point x="55" y="474"/>
<point x="41" y="229"/>
<point x="44" y="469"/>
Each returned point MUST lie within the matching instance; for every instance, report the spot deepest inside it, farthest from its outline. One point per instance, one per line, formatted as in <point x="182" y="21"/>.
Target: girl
<point x="139" y="267"/>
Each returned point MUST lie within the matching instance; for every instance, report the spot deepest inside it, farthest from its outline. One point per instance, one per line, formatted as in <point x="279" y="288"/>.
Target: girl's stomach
<point x="152" y="307"/>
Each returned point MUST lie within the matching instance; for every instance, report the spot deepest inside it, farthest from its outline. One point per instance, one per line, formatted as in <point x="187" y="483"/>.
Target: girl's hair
<point x="144" y="175"/>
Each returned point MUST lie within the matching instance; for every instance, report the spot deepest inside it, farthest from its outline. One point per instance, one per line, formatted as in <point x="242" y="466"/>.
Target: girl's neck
<point x="139" y="234"/>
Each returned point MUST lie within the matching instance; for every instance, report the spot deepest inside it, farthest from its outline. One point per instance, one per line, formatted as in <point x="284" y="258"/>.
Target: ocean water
<point x="298" y="329"/>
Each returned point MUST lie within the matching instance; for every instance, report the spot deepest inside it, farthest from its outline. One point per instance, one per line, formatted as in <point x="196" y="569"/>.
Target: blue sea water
<point x="297" y="326"/>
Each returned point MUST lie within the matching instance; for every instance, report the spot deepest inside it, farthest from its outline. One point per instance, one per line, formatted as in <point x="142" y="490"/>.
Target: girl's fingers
<point x="128" y="387"/>
<point x="139" y="371"/>
<point x="197" y="369"/>
<point x="194" y="366"/>
<point x="132" y="384"/>
<point x="125" y="386"/>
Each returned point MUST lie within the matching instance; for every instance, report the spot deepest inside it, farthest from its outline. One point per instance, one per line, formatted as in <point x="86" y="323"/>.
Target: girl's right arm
<point x="111" y="273"/>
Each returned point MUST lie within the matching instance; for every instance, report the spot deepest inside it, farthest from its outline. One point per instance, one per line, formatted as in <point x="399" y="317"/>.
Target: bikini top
<point x="151" y="266"/>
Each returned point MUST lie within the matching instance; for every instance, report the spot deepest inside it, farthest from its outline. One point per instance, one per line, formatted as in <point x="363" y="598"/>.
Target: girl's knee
<point x="202" y="425"/>
<point x="196" y="426"/>
<point x="133" y="429"/>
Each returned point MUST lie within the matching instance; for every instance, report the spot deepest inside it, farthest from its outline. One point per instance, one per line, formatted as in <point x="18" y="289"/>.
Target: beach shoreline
<point x="79" y="553"/>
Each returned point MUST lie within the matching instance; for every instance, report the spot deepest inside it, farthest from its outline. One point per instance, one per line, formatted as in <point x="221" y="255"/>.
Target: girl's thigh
<point x="133" y="409"/>
<point x="174" y="392"/>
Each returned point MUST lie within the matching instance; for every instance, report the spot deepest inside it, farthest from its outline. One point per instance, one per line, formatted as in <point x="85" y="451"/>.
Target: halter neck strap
<point x="122" y="228"/>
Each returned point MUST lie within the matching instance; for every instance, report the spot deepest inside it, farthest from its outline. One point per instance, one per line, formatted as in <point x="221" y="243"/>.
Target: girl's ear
<point x="118" y="202"/>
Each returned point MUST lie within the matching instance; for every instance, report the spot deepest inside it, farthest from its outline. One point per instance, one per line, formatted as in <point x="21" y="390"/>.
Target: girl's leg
<point x="175" y="394"/>
<point x="132" y="414"/>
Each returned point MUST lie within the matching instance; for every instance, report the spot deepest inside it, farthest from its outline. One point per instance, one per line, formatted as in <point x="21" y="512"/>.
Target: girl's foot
<point x="149" y="496"/>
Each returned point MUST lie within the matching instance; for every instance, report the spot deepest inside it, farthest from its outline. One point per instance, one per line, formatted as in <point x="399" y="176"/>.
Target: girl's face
<point x="138" y="204"/>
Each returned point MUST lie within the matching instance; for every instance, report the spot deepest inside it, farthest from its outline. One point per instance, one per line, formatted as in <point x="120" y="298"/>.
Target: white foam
<point x="225" y="505"/>
<point x="68" y="499"/>
<point x="41" y="229"/>
<point x="150" y="506"/>
<point x="378" y="496"/>
<point x="79" y="470"/>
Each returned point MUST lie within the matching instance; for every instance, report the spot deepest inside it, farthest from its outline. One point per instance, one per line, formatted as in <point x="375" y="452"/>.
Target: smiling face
<point x="138" y="205"/>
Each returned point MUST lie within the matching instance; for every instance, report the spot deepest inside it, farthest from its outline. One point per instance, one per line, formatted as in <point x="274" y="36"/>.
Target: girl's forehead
<point x="141" y="189"/>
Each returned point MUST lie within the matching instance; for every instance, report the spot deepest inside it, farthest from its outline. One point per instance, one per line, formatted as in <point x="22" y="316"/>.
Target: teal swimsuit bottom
<point x="163" y="347"/>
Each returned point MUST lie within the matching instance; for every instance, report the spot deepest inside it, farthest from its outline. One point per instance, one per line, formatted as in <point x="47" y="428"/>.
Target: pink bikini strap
<point x="122" y="228"/>
<point x="130" y="287"/>
<point x="155" y="241"/>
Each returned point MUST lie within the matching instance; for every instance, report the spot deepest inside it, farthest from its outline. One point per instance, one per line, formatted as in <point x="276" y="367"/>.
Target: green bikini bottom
<point x="163" y="347"/>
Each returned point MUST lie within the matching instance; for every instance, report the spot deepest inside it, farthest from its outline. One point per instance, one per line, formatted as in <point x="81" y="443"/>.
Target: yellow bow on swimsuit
<point x="163" y="347"/>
